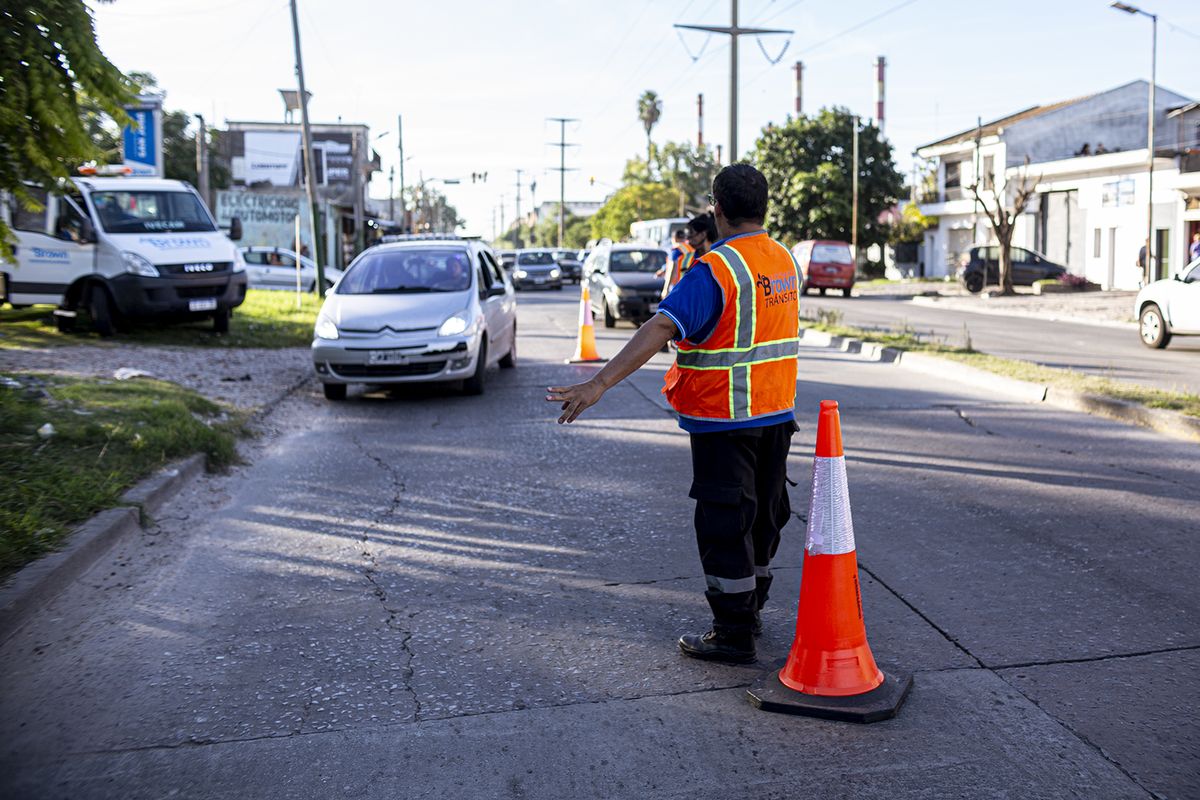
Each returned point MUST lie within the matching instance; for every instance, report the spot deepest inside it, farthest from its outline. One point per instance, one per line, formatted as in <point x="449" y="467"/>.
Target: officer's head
<point x="680" y="235"/>
<point x="740" y="194"/>
<point x="702" y="231"/>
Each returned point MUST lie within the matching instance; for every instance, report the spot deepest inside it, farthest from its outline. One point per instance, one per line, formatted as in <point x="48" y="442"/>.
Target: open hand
<point x="574" y="399"/>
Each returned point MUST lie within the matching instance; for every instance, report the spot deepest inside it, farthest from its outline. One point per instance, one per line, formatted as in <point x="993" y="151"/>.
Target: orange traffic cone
<point x="830" y="671"/>
<point x="585" y="350"/>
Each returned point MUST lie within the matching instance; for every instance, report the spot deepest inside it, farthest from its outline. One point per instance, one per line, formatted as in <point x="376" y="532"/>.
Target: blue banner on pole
<point x="142" y="141"/>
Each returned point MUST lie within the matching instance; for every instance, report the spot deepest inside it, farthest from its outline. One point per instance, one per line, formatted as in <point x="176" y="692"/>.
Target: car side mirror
<point x="87" y="231"/>
<point x="235" y="229"/>
<point x="497" y="290"/>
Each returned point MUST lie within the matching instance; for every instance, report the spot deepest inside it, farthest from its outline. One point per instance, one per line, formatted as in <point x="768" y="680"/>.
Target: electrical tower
<point x="562" y="144"/>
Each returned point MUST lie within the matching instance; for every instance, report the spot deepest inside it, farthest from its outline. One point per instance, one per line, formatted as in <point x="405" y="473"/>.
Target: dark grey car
<point x="622" y="282"/>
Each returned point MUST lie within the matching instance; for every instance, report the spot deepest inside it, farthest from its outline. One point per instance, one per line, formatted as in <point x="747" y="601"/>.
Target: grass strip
<point x="1183" y="402"/>
<point x="266" y="319"/>
<point x="107" y="436"/>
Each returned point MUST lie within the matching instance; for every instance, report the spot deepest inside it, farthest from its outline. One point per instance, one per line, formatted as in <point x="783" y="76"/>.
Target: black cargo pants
<point x="738" y="483"/>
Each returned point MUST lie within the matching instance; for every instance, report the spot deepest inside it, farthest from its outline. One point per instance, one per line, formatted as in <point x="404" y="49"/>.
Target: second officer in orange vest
<point x="735" y="317"/>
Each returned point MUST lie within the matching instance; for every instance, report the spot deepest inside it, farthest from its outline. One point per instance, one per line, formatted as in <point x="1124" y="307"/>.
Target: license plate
<point x="386" y="357"/>
<point x="832" y="270"/>
<point x="539" y="280"/>
<point x="207" y="304"/>
<point x="654" y="308"/>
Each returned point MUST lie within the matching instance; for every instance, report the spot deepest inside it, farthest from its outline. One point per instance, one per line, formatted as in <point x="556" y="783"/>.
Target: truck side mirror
<point x="87" y="232"/>
<point x="235" y="229"/>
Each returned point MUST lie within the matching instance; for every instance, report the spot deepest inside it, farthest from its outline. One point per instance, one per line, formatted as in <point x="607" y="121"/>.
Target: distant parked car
<point x="825" y="265"/>
<point x="536" y="268"/>
<point x="621" y="281"/>
<point x="1169" y="307"/>
<point x="275" y="268"/>
<point x="572" y="267"/>
<point x="1028" y="267"/>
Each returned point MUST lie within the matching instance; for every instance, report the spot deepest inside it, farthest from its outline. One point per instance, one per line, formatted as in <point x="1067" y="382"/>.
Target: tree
<point x="686" y="168"/>
<point x="910" y="227"/>
<point x="50" y="70"/>
<point x="807" y="164"/>
<point x="649" y="110"/>
<point x="632" y="203"/>
<point x="1003" y="218"/>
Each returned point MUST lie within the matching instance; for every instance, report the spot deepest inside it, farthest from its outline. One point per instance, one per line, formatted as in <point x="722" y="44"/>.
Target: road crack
<point x="371" y="573"/>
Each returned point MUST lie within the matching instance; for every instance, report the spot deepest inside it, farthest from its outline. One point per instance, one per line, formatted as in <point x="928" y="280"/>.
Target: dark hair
<point x="677" y="232"/>
<point x="706" y="224"/>
<point x="741" y="190"/>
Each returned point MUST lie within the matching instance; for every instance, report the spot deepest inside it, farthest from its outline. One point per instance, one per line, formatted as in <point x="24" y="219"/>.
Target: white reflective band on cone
<point x="830" y="529"/>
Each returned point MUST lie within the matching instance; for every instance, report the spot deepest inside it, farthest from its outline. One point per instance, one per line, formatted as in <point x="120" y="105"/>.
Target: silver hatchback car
<point x="417" y="311"/>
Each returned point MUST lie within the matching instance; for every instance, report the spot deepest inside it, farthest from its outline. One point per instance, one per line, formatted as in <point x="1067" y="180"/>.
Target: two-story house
<point x="1087" y="160"/>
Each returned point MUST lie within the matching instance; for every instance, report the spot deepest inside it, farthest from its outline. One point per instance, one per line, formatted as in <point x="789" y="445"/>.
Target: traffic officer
<point x="701" y="233"/>
<point x="735" y="318"/>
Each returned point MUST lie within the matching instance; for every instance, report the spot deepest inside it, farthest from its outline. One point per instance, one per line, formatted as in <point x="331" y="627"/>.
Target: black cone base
<point x="882" y="702"/>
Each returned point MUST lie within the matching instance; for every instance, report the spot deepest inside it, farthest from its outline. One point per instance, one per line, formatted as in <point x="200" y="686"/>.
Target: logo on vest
<point x="779" y="288"/>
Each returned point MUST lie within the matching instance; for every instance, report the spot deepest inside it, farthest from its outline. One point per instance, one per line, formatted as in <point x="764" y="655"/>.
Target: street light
<point x="1128" y="9"/>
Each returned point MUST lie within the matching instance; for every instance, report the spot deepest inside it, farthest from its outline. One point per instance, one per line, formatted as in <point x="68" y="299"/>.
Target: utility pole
<point x="854" y="199"/>
<point x="733" y="32"/>
<point x="562" y="146"/>
<point x="799" y="88"/>
<point x="357" y="188"/>
<point x="404" y="224"/>
<point x="202" y="161"/>
<point x="306" y="143"/>
<point x="517" y="226"/>
<point x="700" y="121"/>
<point x="392" y="194"/>
<point x="718" y="155"/>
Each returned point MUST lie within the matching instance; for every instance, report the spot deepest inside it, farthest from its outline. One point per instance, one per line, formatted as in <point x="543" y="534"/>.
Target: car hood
<point x="399" y="312"/>
<point x="636" y="280"/>
<point x="176" y="248"/>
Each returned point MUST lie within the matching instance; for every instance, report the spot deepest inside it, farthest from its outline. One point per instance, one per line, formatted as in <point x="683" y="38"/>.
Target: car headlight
<point x="325" y="328"/>
<point x="554" y="273"/>
<point x="454" y="325"/>
<point x="138" y="265"/>
<point x="239" y="263"/>
<point x="520" y="274"/>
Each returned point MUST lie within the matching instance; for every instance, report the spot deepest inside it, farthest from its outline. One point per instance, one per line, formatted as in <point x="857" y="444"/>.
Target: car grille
<point x="388" y="370"/>
<point x="196" y="269"/>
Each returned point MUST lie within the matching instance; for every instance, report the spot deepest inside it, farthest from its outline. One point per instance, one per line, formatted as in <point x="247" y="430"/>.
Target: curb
<point x="1169" y="423"/>
<point x="35" y="585"/>
<point x="932" y="302"/>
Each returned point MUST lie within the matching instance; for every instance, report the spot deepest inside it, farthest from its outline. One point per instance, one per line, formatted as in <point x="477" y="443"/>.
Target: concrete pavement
<point x="418" y="594"/>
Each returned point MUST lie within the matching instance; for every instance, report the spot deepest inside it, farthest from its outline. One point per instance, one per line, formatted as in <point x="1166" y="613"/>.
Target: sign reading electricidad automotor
<point x="143" y="139"/>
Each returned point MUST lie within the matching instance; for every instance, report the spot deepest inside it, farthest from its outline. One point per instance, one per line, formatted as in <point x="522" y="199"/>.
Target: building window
<point x="1096" y="243"/>
<point x="989" y="167"/>
<point x="1117" y="193"/>
<point x="953" y="174"/>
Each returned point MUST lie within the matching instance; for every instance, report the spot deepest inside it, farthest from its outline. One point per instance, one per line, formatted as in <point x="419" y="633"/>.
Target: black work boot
<point x="711" y="646"/>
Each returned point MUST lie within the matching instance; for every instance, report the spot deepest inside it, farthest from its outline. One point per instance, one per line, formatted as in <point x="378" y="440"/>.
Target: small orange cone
<point x="830" y="671"/>
<point x="585" y="350"/>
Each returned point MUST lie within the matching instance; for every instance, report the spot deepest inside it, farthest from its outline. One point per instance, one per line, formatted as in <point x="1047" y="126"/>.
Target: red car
<point x="825" y="264"/>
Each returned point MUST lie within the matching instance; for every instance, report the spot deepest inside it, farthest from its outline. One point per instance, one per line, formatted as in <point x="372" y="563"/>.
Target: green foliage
<point x="910" y="227"/>
<point x="108" y="435"/>
<point x="576" y="231"/>
<point x="681" y="165"/>
<point x="807" y="164"/>
<point x="50" y="69"/>
<point x="632" y="203"/>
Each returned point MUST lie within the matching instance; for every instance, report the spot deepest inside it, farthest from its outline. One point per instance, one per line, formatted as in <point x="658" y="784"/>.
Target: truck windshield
<point x="151" y="212"/>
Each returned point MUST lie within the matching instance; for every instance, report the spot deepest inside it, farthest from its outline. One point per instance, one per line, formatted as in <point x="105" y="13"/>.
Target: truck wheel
<point x="334" y="391"/>
<point x="63" y="323"/>
<point x="221" y="321"/>
<point x="101" y="310"/>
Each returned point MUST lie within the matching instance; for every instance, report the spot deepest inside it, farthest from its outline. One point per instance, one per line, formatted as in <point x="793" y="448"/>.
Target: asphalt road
<point x="417" y="594"/>
<point x="1110" y="352"/>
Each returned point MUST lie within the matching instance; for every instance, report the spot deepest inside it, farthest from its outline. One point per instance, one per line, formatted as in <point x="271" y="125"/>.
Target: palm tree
<point x="649" y="110"/>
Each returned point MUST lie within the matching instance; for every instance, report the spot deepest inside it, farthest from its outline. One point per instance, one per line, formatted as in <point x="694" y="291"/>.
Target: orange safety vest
<point x="676" y="271"/>
<point x="746" y="367"/>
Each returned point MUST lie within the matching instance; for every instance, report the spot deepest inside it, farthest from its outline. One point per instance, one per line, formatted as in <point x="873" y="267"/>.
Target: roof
<point x="995" y="126"/>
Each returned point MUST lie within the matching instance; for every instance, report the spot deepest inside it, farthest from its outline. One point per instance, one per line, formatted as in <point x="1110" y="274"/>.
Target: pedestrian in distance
<point x="701" y="233"/>
<point x="735" y="319"/>
<point x="1194" y="248"/>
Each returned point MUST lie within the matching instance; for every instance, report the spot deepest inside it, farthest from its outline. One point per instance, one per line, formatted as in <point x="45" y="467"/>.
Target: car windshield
<point x="151" y="212"/>
<point x="535" y="259"/>
<point x="409" y="271"/>
<point x="832" y="254"/>
<point x="637" y="260"/>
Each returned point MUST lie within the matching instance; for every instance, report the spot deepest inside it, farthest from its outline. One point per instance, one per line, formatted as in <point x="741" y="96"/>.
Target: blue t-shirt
<point x="695" y="306"/>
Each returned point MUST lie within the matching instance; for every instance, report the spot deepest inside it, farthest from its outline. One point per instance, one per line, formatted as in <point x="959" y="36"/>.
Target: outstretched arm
<point x="649" y="340"/>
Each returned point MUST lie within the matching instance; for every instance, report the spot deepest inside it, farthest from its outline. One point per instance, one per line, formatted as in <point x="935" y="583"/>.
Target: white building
<point x="1087" y="159"/>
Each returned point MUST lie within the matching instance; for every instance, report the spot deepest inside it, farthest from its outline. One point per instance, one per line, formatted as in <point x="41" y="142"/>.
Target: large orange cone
<point x="585" y="349"/>
<point x="830" y="671"/>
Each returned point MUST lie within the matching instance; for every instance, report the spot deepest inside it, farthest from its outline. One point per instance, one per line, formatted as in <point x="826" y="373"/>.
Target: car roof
<point x="465" y="244"/>
<point x="636" y="246"/>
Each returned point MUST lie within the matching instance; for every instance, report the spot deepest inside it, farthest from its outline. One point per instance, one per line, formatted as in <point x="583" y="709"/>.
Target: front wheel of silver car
<point x="1153" y="328"/>
<point x="474" y="384"/>
<point x="510" y="360"/>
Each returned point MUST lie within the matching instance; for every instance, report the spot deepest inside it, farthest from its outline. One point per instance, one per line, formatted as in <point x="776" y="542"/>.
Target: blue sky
<point x="476" y="81"/>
